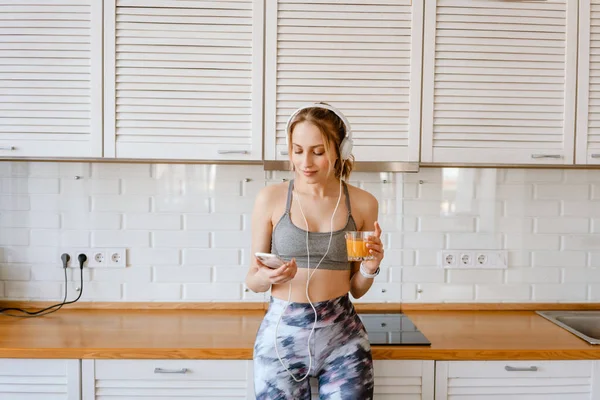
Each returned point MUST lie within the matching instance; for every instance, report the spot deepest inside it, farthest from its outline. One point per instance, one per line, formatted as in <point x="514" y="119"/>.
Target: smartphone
<point x="270" y="260"/>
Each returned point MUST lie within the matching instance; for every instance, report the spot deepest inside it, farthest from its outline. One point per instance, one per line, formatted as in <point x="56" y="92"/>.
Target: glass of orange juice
<point x="356" y="245"/>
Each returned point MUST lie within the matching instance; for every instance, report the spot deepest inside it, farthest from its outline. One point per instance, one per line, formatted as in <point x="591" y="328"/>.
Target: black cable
<point x="30" y="314"/>
<point x="65" y="259"/>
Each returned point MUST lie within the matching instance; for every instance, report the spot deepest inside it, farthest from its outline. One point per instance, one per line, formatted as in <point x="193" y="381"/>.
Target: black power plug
<point x="82" y="258"/>
<point x="65" y="259"/>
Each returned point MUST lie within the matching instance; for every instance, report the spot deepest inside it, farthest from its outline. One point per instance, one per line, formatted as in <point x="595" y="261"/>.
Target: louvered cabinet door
<point x="515" y="380"/>
<point x="361" y="56"/>
<point x="588" y="96"/>
<point x="499" y="81"/>
<point x="403" y="379"/>
<point x="183" y="79"/>
<point x="31" y="379"/>
<point x="167" y="379"/>
<point x="51" y="78"/>
<point x="398" y="379"/>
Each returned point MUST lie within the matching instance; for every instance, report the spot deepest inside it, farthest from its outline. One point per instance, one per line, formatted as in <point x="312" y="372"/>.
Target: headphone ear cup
<point x="346" y="148"/>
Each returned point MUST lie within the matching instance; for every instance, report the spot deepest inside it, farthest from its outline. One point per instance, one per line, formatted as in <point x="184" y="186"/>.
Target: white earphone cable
<point x="308" y="277"/>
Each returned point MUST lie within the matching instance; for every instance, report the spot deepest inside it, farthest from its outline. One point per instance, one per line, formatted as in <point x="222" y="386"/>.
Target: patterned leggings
<point x="339" y="346"/>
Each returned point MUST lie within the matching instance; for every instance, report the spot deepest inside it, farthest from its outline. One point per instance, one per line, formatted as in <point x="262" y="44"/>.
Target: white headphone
<point x="346" y="144"/>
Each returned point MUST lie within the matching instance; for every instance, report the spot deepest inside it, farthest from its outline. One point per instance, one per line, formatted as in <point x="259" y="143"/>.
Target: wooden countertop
<point x="227" y="334"/>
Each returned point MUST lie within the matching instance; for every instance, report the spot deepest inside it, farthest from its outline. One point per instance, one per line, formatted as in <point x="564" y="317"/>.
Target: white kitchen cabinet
<point x="588" y="89"/>
<point x="404" y="379"/>
<point x="362" y="57"/>
<point x="516" y="380"/>
<point x="399" y="379"/>
<point x="38" y="379"/>
<point x="499" y="82"/>
<point x="183" y="79"/>
<point x="51" y="79"/>
<point x="230" y="379"/>
<point x="167" y="379"/>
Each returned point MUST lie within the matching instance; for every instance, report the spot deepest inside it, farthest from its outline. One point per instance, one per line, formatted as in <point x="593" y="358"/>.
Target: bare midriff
<point x="324" y="285"/>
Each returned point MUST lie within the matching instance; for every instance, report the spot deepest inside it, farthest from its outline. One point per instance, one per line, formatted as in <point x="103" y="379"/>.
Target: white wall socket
<point x="474" y="259"/>
<point x="97" y="257"/>
<point x="116" y="258"/>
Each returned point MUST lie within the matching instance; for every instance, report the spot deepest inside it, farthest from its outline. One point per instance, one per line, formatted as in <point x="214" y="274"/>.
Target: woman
<point x="303" y="222"/>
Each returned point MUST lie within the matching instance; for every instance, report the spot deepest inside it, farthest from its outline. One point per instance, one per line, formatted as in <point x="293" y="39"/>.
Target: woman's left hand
<point x="375" y="247"/>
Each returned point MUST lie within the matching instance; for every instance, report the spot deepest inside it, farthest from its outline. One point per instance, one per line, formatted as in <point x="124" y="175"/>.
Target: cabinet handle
<point x="595" y="155"/>
<point x="528" y="369"/>
<point x="232" y="151"/>
<point x="546" y="156"/>
<point x="9" y="148"/>
<point x="170" y="371"/>
<point x="284" y="152"/>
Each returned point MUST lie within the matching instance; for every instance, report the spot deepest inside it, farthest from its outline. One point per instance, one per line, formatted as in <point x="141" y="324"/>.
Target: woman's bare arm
<point x="359" y="285"/>
<point x="262" y="228"/>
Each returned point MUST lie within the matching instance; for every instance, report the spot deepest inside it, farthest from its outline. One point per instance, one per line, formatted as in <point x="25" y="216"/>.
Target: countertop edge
<point x="379" y="353"/>
<point x="262" y="306"/>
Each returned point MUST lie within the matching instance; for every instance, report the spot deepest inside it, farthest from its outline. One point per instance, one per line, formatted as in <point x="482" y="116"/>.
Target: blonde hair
<point x="332" y="129"/>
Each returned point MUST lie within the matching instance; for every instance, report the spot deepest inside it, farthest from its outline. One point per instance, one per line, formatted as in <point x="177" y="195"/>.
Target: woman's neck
<point x="328" y="188"/>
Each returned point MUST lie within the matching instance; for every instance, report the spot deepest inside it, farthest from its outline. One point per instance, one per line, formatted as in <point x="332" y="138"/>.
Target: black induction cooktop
<point x="392" y="329"/>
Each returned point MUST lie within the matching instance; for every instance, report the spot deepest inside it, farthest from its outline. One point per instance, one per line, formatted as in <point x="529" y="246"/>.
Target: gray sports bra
<point x="288" y="241"/>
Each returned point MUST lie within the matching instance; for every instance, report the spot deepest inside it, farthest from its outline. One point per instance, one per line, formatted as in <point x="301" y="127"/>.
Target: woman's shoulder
<point x="361" y="196"/>
<point x="273" y="193"/>
<point x="365" y="206"/>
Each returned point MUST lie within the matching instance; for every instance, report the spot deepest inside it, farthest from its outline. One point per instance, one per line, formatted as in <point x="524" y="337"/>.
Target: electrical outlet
<point x="488" y="259"/>
<point x="496" y="259"/>
<point x="465" y="259"/>
<point x="481" y="259"/>
<point x="96" y="257"/>
<point x="116" y="258"/>
<point x="448" y="259"/>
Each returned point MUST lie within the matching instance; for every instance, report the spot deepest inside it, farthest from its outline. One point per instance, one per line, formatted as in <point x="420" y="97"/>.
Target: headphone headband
<point x="346" y="143"/>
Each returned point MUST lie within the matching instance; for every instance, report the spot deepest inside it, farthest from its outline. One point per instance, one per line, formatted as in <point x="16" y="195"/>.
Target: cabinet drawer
<point x="171" y="369"/>
<point x="514" y="380"/>
<point x="167" y="379"/>
<point x="513" y="369"/>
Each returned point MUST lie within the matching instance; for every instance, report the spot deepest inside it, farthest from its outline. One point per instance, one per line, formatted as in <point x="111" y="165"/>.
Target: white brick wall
<point x="187" y="231"/>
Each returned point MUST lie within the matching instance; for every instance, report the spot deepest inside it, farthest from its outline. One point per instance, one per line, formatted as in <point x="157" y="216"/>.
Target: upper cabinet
<point x="51" y="79"/>
<point x="361" y="56"/>
<point x="588" y="96"/>
<point x="499" y="81"/>
<point x="449" y="82"/>
<point x="183" y="79"/>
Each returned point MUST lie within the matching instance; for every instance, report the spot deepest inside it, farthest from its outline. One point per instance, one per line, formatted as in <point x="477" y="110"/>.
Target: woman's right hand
<point x="283" y="274"/>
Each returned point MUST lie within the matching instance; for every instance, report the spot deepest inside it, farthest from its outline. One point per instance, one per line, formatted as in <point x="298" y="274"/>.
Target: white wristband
<point x="364" y="273"/>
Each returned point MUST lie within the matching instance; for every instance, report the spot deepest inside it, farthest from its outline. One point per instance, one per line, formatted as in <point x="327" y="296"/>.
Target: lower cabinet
<point x="62" y="379"/>
<point x="398" y="379"/>
<point x="516" y="380"/>
<point x="167" y="379"/>
<point x="38" y="379"/>
<point x="404" y="379"/>
<point x="229" y="379"/>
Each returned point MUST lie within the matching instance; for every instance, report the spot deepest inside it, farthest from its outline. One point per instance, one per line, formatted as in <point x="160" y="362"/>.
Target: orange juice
<point x="356" y="246"/>
<point x="357" y="249"/>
